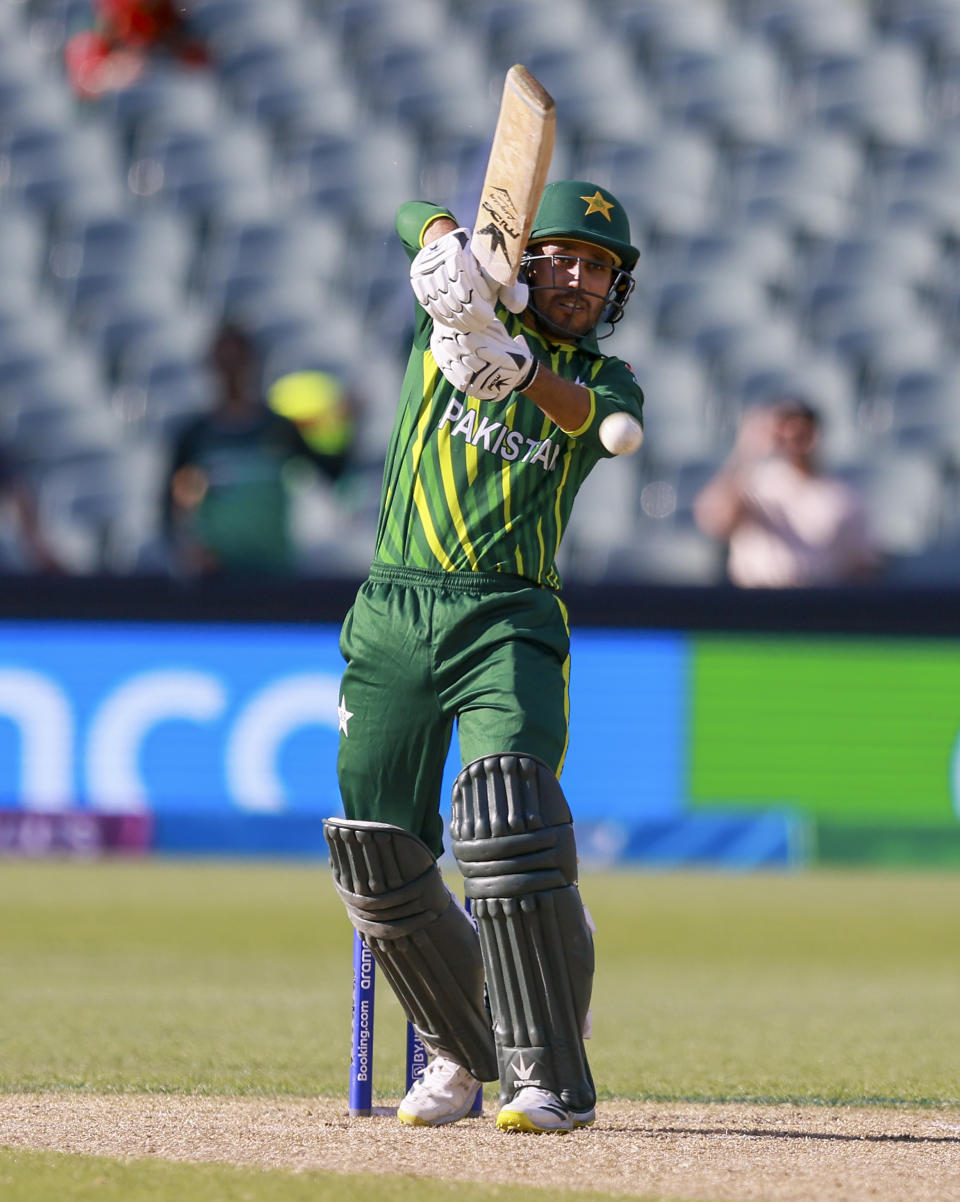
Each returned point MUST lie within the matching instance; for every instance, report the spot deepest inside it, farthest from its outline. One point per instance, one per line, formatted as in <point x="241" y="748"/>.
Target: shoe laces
<point x="439" y="1072"/>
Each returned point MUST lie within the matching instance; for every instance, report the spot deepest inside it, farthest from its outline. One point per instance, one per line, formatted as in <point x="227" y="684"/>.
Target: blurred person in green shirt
<point x="228" y="494"/>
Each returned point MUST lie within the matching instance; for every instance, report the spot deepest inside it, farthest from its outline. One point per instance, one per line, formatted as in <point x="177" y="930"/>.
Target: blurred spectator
<point x="125" y="35"/>
<point x="23" y="546"/>
<point x="228" y="494"/>
<point x="321" y="407"/>
<point x="786" y="522"/>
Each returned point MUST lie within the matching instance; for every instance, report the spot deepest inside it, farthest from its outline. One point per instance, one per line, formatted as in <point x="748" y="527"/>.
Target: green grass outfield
<point x="39" y="1176"/>
<point x="234" y="978"/>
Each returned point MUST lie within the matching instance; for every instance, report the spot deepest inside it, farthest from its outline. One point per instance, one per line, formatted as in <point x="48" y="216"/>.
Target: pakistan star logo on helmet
<point x="598" y="203"/>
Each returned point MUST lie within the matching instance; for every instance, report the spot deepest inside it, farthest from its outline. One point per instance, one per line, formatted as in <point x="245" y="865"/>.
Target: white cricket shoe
<point x="538" y="1111"/>
<point x="443" y="1093"/>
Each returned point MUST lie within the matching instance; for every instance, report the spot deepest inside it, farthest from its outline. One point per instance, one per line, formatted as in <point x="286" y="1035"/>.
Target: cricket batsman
<point x="507" y="404"/>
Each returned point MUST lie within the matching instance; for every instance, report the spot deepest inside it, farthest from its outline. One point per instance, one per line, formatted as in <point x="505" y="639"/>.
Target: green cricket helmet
<point x="573" y="208"/>
<point x="579" y="211"/>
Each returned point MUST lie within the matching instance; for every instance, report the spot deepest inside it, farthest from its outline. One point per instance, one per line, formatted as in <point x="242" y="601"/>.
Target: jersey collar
<point x="587" y="345"/>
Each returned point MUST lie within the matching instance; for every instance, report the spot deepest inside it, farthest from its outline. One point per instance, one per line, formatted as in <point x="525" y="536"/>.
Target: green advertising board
<point x="858" y="736"/>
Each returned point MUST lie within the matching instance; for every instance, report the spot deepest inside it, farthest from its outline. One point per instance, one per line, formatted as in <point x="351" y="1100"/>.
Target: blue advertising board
<point x="226" y="735"/>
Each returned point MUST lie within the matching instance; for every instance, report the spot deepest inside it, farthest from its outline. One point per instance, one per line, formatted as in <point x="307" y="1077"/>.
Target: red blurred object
<point x="127" y="34"/>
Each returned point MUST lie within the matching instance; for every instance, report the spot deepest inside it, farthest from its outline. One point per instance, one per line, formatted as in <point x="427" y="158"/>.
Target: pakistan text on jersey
<point x="498" y="438"/>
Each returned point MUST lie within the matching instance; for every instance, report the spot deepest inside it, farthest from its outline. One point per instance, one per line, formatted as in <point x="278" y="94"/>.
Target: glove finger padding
<point x="487" y="364"/>
<point x="450" y="284"/>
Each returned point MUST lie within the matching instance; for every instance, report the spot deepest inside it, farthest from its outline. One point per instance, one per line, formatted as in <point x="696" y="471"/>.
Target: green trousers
<point x="425" y="650"/>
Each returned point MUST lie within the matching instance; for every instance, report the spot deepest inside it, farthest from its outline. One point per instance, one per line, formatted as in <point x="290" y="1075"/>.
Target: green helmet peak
<point x="577" y="209"/>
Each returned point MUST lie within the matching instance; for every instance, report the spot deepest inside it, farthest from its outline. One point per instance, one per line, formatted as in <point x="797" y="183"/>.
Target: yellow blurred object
<point x="319" y="405"/>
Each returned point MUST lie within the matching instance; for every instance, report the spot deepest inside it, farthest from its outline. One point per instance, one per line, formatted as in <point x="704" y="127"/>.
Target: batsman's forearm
<point x="564" y="402"/>
<point x="437" y="228"/>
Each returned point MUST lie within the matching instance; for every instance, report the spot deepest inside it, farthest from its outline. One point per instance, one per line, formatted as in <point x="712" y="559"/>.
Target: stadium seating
<point x="876" y="93"/>
<point x="203" y="173"/>
<point x="91" y="255"/>
<point x="792" y="169"/>
<point x="667" y="179"/>
<point x="734" y="92"/>
<point x="23" y="251"/>
<point x="905" y="497"/>
<point x="807" y="30"/>
<point x="242" y="256"/>
<point x="160" y="377"/>
<point x="687" y="428"/>
<point x="355" y="176"/>
<point x="920" y="409"/>
<point x="657" y="28"/>
<point x="57" y="169"/>
<point x="166" y="96"/>
<point x="805" y="183"/>
<point x="920" y="184"/>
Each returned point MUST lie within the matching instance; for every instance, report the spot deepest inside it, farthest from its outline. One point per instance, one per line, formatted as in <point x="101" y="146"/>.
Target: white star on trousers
<point x="343" y="715"/>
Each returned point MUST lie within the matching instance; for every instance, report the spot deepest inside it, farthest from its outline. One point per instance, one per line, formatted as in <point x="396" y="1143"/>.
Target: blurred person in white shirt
<point x="787" y="523"/>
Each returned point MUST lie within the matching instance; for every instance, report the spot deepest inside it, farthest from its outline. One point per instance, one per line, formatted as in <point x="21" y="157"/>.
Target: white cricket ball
<point x="621" y="434"/>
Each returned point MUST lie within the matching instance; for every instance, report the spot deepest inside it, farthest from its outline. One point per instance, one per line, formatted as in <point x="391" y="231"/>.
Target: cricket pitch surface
<point x="715" y="1152"/>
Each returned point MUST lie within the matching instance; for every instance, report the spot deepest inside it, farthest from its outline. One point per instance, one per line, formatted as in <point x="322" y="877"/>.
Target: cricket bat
<point x="516" y="173"/>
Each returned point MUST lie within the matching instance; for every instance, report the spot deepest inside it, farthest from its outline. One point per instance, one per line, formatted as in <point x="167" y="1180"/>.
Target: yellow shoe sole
<point x="516" y="1120"/>
<point x="412" y="1120"/>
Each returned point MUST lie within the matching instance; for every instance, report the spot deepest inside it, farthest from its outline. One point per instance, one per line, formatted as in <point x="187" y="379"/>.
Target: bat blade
<point x="516" y="173"/>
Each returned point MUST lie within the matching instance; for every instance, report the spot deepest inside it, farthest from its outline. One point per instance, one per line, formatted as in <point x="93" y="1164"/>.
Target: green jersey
<point x="480" y="486"/>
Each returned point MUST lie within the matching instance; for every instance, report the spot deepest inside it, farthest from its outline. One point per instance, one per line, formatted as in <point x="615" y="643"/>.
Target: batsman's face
<point x="570" y="283"/>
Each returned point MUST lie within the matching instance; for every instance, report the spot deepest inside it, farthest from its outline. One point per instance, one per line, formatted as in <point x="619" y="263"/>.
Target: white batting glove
<point x="487" y="364"/>
<point x="455" y="290"/>
<point x="514" y="296"/>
